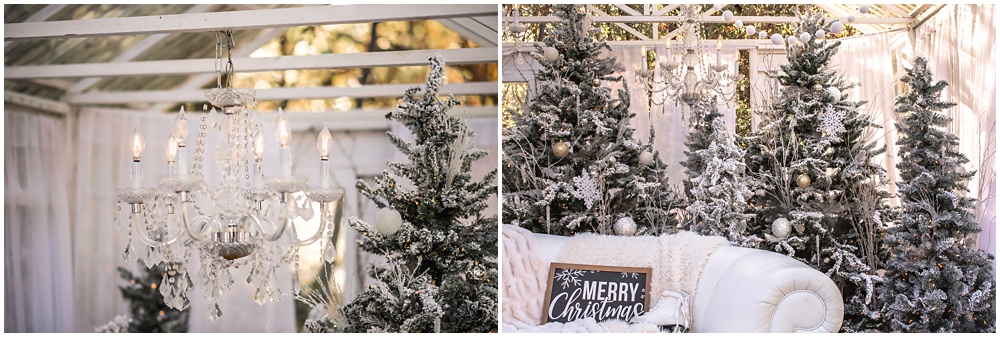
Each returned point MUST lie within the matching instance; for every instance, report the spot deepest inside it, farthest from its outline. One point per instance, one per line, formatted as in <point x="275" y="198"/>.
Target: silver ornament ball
<point x="560" y="149"/>
<point x="550" y="53"/>
<point x="817" y="87"/>
<point x="625" y="226"/>
<point x="645" y="158"/>
<point x="781" y="227"/>
<point x="837" y="27"/>
<point x="388" y="221"/>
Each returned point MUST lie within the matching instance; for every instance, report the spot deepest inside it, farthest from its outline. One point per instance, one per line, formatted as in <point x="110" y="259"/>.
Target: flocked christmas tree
<point x="821" y="198"/>
<point x="441" y="251"/>
<point x="705" y="112"/>
<point x="934" y="281"/>
<point x="720" y="193"/>
<point x="571" y="162"/>
<point x="148" y="313"/>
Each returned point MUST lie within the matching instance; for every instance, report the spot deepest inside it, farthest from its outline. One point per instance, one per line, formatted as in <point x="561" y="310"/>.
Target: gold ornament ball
<point x="803" y="181"/>
<point x="818" y="87"/>
<point x="560" y="149"/>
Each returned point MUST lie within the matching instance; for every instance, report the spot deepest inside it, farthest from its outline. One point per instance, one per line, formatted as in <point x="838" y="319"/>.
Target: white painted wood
<point x="735" y="43"/>
<point x="894" y="9"/>
<point x="355" y="119"/>
<point x="248" y="64"/>
<point x="136" y="50"/>
<point x="54" y="83"/>
<point x="719" y="19"/>
<point x="277" y="94"/>
<point x="483" y="35"/>
<point x="631" y="30"/>
<point x="238" y="20"/>
<point x="39" y="103"/>
<point x="42" y="15"/>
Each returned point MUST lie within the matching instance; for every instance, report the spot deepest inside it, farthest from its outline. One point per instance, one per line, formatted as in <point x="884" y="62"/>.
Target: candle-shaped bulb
<point x="718" y="44"/>
<point x="171" y="149"/>
<point x="323" y="143"/>
<point x="258" y="145"/>
<point x="284" y="130"/>
<point x="180" y="128"/>
<point x="642" y="51"/>
<point x="137" y="144"/>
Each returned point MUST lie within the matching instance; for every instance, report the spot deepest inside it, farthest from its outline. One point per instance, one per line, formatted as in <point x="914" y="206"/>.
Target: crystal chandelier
<point x="245" y="220"/>
<point x="516" y="29"/>
<point x="687" y="78"/>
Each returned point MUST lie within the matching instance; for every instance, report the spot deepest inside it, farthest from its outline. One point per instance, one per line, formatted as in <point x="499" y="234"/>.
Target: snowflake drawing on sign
<point x="831" y="121"/>
<point x="567" y="276"/>
<point x="586" y="189"/>
<point x="632" y="275"/>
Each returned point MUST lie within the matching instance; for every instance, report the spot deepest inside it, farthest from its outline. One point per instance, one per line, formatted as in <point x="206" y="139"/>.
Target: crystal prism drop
<point x="214" y="313"/>
<point x="329" y="252"/>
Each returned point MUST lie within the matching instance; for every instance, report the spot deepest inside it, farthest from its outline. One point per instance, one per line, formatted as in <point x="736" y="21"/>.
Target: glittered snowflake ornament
<point x="586" y="189"/>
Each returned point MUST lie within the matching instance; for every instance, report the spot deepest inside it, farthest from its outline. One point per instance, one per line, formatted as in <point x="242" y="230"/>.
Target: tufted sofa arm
<point x="749" y="290"/>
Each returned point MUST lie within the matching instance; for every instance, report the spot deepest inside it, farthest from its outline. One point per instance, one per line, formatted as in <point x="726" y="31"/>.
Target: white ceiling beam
<point x="474" y="30"/>
<point x="919" y="10"/>
<point x="239" y="20"/>
<point x="39" y="103"/>
<point x="719" y="19"/>
<point x="136" y="50"/>
<point x="895" y="10"/>
<point x="627" y="9"/>
<point x="353" y="120"/>
<point x="251" y="64"/>
<point x="44" y="14"/>
<point x="631" y="30"/>
<point x="665" y="9"/>
<point x="277" y="94"/>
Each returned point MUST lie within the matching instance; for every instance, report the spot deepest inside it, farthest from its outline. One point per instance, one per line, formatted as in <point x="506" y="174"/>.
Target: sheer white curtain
<point x="101" y="168"/>
<point x="959" y="43"/>
<point x="669" y="127"/>
<point x="867" y="61"/>
<point x="38" y="278"/>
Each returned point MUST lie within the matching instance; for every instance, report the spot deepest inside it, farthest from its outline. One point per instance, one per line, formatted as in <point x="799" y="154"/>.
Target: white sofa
<point x="750" y="290"/>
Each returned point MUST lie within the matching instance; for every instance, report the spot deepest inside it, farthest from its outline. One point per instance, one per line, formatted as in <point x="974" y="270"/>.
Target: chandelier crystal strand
<point x="232" y="227"/>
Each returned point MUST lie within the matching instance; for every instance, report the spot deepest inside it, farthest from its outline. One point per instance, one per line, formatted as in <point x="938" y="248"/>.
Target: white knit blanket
<point x="677" y="260"/>
<point x="525" y="268"/>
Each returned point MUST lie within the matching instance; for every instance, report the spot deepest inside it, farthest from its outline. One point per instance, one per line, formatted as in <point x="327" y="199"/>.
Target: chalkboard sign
<point x="578" y="291"/>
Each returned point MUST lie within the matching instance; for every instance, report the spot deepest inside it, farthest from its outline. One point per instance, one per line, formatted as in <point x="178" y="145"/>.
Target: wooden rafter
<point x="239" y="20"/>
<point x="42" y="15"/>
<point x="254" y="64"/>
<point x="39" y="103"/>
<point x="481" y="30"/>
<point x="276" y="94"/>
<point x="631" y="30"/>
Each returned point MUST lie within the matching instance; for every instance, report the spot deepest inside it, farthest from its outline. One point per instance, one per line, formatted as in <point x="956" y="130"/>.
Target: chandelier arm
<point x="259" y="221"/>
<point x="144" y="235"/>
<point x="201" y="219"/>
<point x="306" y="242"/>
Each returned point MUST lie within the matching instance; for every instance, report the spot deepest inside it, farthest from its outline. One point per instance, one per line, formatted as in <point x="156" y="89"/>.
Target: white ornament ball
<point x="805" y="37"/>
<point x="835" y="93"/>
<point x="645" y="158"/>
<point x="836" y="27"/>
<point x="717" y="6"/>
<point x="738" y="24"/>
<point x="560" y="149"/>
<point x="793" y="40"/>
<point x="820" y="34"/>
<point x="388" y="221"/>
<point x="727" y="15"/>
<point x="625" y="226"/>
<point x="863" y="9"/>
<point x="781" y="227"/>
<point x="751" y="30"/>
<point x="550" y="54"/>
<point x="850" y="18"/>
<point x="777" y="39"/>
<point x="762" y="35"/>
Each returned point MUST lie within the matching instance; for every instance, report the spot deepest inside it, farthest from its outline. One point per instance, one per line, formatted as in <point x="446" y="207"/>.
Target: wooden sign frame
<point x="613" y="269"/>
